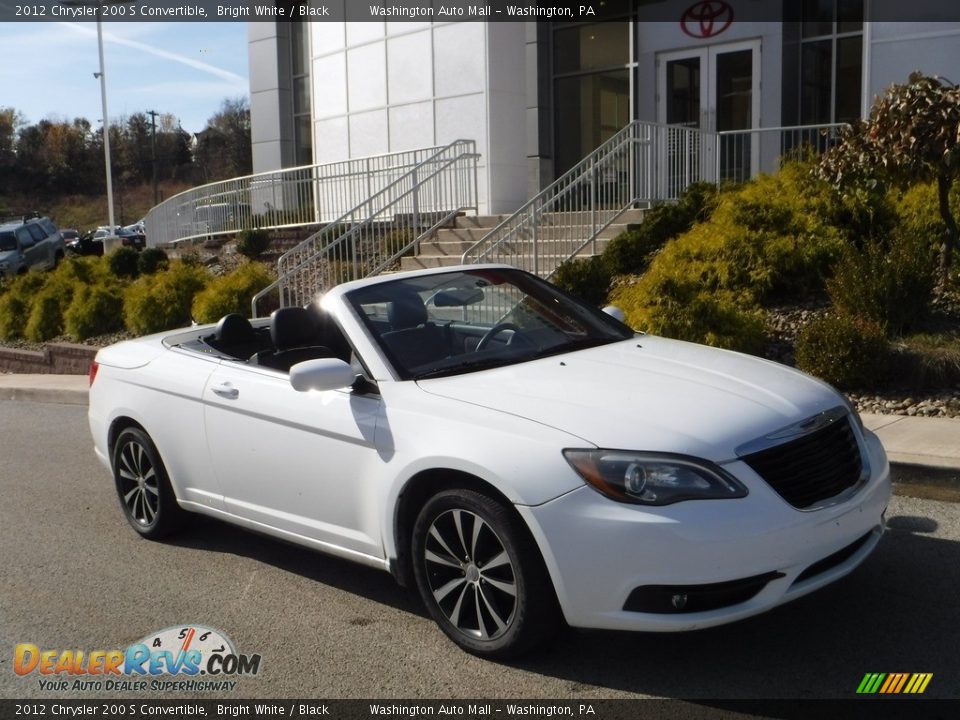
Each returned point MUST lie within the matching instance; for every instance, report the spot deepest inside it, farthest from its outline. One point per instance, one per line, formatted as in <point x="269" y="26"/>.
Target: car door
<point x="301" y="462"/>
<point x="32" y="251"/>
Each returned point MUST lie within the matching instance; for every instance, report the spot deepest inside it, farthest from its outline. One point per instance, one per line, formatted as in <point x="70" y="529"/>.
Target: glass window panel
<point x="303" y="140"/>
<point x="590" y="109"/>
<point x="849" y="73"/>
<point x="591" y="47"/>
<point x="817" y="17"/>
<point x="815" y="82"/>
<point x="849" y="15"/>
<point x="683" y="92"/>
<point x="301" y="95"/>
<point x="300" y="47"/>
<point x="735" y="90"/>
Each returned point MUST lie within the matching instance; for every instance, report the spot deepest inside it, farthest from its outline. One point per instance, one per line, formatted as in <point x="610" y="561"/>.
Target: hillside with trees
<point x="56" y="165"/>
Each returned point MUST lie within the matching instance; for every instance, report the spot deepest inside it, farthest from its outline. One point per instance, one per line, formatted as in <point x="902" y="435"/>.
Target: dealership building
<point x="537" y="96"/>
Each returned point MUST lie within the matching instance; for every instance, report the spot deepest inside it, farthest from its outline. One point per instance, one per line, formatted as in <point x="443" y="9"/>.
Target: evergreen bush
<point x="231" y="293"/>
<point x="162" y="301"/>
<point x="845" y="351"/>
<point x="253" y="243"/>
<point x="587" y="278"/>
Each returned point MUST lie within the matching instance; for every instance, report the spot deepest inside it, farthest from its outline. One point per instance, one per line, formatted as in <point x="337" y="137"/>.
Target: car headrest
<point x="233" y="328"/>
<point x="407" y="311"/>
<point x="292" y="327"/>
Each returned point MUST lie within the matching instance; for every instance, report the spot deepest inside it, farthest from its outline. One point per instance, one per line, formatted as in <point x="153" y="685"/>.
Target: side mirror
<point x="616" y="313"/>
<point x="321" y="374"/>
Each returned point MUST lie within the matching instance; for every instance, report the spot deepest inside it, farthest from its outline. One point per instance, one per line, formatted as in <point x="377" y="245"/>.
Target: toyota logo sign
<point x="706" y="19"/>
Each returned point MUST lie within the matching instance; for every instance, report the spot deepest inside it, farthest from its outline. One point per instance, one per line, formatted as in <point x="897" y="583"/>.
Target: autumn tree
<point x="224" y="149"/>
<point x="912" y="134"/>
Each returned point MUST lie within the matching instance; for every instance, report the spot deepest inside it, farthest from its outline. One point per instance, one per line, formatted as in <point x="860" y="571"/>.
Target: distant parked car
<point x="30" y="244"/>
<point x="132" y="238"/>
<point x="86" y="245"/>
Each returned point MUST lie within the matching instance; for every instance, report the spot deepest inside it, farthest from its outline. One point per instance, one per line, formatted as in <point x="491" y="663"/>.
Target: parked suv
<point x="29" y="244"/>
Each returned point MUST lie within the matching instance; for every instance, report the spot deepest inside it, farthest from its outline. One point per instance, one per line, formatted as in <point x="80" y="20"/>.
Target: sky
<point x="186" y="69"/>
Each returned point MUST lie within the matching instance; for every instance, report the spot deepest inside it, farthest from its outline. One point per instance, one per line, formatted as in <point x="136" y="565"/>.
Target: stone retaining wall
<point x="54" y="359"/>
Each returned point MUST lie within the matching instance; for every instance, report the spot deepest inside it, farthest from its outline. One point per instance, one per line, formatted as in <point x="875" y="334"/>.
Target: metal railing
<point x="642" y="163"/>
<point x="308" y="195"/>
<point x="741" y="154"/>
<point x="372" y="236"/>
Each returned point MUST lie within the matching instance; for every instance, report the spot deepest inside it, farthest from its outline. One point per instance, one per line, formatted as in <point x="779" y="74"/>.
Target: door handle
<point x="226" y="390"/>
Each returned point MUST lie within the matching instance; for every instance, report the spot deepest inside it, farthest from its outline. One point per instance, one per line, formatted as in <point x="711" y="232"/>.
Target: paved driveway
<point x="75" y="576"/>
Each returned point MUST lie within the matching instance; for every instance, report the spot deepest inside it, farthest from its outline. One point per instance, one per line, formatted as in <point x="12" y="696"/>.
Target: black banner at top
<point x="916" y="11"/>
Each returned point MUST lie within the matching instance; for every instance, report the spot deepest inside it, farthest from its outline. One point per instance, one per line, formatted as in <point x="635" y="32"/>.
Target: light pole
<point x="102" y="75"/>
<point x="106" y="123"/>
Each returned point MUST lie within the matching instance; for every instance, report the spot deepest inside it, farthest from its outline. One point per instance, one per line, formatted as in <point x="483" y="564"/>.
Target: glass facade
<point x="591" y="87"/>
<point x="300" y="69"/>
<point x="831" y="61"/>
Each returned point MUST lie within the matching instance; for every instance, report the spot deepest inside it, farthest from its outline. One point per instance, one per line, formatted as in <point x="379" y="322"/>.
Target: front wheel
<point x="143" y="488"/>
<point x="481" y="576"/>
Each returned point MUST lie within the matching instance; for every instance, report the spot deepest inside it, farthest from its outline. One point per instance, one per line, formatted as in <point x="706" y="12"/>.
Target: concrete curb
<point x="66" y="389"/>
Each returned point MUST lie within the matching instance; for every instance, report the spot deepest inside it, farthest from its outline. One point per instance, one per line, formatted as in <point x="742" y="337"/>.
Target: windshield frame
<point x="602" y="328"/>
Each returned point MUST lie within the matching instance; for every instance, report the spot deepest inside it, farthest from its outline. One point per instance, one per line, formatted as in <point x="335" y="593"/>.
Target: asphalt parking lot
<point x="75" y="576"/>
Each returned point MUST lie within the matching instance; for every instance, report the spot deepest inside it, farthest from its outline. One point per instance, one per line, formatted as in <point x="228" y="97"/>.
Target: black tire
<point x="143" y="487"/>
<point x="486" y="586"/>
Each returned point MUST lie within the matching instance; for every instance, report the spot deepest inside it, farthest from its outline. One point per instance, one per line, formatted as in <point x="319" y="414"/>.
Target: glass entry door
<point x="714" y="89"/>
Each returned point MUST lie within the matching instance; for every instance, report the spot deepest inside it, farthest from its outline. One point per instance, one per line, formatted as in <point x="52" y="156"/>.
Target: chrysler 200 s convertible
<point x="522" y="458"/>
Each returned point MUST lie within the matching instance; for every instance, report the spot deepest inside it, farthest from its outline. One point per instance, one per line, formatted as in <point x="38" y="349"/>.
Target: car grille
<point x="811" y="468"/>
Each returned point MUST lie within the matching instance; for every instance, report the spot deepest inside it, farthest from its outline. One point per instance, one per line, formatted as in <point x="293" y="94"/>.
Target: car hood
<point x="649" y="393"/>
<point x="7" y="255"/>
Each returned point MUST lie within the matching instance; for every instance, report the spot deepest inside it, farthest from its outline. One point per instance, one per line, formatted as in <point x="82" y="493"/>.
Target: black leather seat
<point x="294" y="333"/>
<point x="413" y="339"/>
<point x="235" y="336"/>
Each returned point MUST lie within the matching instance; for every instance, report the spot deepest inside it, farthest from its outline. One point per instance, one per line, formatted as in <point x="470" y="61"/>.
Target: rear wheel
<point x="143" y="487"/>
<point x="481" y="576"/>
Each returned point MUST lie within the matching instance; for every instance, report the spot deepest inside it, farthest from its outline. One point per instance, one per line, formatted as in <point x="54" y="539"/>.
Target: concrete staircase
<point x="448" y="244"/>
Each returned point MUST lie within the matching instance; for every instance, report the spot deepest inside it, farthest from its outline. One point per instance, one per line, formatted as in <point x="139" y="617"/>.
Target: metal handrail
<point x="291" y="197"/>
<point x="637" y="165"/>
<point x="644" y="163"/>
<point x="375" y="233"/>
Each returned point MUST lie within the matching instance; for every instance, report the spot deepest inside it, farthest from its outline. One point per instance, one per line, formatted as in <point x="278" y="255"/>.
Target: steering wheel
<point x="496" y="330"/>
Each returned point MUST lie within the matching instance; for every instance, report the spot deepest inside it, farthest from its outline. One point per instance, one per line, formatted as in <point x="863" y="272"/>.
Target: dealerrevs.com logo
<point x="187" y="658"/>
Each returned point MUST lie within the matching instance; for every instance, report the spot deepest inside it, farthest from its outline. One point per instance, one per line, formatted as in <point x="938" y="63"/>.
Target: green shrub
<point x="46" y="314"/>
<point x="587" y="278"/>
<point x="630" y="252"/>
<point x="890" y="284"/>
<point x="13" y="315"/>
<point x="94" y="311"/>
<point x="253" y="243"/>
<point x="160" y="302"/>
<point x="717" y="318"/>
<point x="152" y="260"/>
<point x="926" y="361"/>
<point x="845" y="351"/>
<point x="123" y="262"/>
<point x="231" y="293"/>
<point x="16" y="302"/>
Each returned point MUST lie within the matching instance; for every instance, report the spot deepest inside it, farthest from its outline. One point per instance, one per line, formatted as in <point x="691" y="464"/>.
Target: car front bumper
<point x="604" y="556"/>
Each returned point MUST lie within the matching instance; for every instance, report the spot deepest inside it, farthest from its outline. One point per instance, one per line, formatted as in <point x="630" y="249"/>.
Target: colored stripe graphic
<point x="894" y="683"/>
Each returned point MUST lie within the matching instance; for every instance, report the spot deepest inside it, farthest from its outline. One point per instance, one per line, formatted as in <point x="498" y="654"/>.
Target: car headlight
<point x="653" y="478"/>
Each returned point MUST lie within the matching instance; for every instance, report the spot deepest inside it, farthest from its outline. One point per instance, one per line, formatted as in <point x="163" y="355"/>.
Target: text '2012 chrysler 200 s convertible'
<point x="520" y="457"/>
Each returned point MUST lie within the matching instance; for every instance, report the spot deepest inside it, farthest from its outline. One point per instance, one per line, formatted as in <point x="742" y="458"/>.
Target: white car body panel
<point x="328" y="469"/>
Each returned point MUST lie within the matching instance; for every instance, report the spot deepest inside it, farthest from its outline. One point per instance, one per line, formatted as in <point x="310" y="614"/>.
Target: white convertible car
<point x="521" y="457"/>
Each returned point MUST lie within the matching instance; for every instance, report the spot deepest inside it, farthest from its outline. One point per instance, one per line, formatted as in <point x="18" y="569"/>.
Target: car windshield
<point x="7" y="242"/>
<point x="464" y="321"/>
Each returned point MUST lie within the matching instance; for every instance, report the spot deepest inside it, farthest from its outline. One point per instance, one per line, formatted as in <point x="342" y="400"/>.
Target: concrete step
<point x="463" y="238"/>
<point x="479" y="221"/>
<point x="549" y="256"/>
